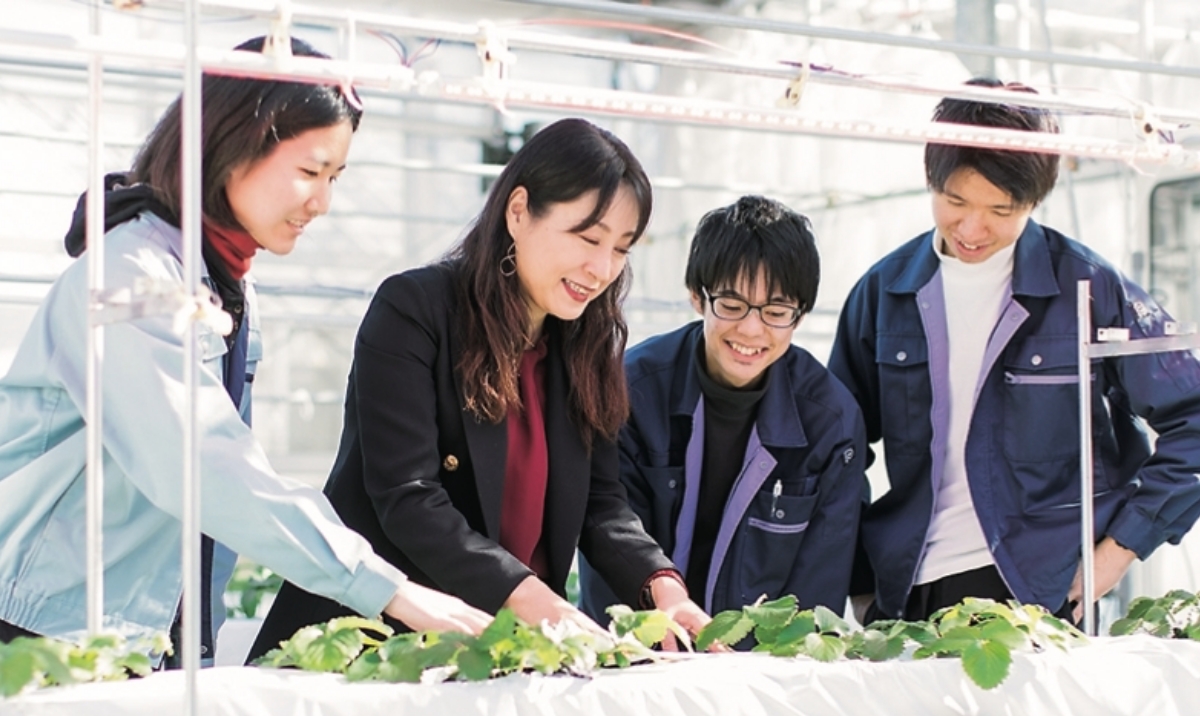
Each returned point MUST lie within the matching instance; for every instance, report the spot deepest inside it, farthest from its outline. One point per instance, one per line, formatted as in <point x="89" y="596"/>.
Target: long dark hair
<point x="241" y="120"/>
<point x="558" y="164"/>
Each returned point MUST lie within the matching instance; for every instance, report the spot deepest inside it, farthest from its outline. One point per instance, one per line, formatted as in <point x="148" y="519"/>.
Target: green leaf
<point x="1180" y="595"/>
<point x="402" y="667"/>
<point x="440" y="653"/>
<point x="771" y="617"/>
<point x="1002" y="631"/>
<point x="137" y="663"/>
<point x="160" y="643"/>
<point x="502" y="627"/>
<point x="787" y="602"/>
<point x="987" y="663"/>
<point x="17" y="670"/>
<point x="824" y="647"/>
<point x="726" y="628"/>
<point x="955" y="641"/>
<point x="920" y="632"/>
<point x="950" y="618"/>
<point x="827" y="621"/>
<point x="275" y="659"/>
<point x="53" y="658"/>
<point x="1124" y="627"/>
<point x="474" y="663"/>
<point x="365" y="667"/>
<point x="101" y="642"/>
<point x="368" y="625"/>
<point x="331" y="650"/>
<point x="973" y="605"/>
<point x="654" y="628"/>
<point x="1193" y="631"/>
<point x="803" y="624"/>
<point x="1138" y="607"/>
<point x="877" y="646"/>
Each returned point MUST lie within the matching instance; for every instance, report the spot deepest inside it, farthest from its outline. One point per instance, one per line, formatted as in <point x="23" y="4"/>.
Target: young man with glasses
<point x="961" y="347"/>
<point x="742" y="455"/>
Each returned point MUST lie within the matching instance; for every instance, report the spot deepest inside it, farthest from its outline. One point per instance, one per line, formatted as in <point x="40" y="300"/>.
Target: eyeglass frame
<point x="709" y="297"/>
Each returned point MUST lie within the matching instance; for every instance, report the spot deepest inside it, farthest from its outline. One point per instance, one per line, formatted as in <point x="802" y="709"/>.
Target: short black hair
<point x="1026" y="176"/>
<point x="752" y="234"/>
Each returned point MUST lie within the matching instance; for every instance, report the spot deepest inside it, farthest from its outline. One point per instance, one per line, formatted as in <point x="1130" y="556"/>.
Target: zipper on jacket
<point x="775" y="493"/>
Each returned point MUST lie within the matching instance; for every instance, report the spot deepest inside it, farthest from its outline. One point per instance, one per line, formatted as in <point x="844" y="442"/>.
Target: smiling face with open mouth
<point x="738" y="352"/>
<point x="561" y="267"/>
<point x="975" y="218"/>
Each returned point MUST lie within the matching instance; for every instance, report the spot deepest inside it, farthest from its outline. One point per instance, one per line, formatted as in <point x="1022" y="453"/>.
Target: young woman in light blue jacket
<point x="271" y="152"/>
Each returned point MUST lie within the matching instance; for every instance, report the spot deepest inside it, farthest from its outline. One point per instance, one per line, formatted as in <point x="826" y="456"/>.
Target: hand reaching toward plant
<point x="534" y="602"/>
<point x="671" y="597"/>
<point x="425" y="609"/>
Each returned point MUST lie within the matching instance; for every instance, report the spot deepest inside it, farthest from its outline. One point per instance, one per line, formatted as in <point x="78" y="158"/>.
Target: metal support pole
<point x="192" y="176"/>
<point x="94" y="410"/>
<point x="1087" y="538"/>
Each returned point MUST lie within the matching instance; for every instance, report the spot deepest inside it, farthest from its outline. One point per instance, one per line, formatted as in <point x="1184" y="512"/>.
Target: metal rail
<point x="517" y="37"/>
<point x="94" y="391"/>
<point x="192" y="172"/>
<point x="1111" y="343"/>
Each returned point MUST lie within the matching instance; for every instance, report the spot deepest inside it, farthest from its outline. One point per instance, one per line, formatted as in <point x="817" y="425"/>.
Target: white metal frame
<point x="1110" y="342"/>
<point x="492" y="87"/>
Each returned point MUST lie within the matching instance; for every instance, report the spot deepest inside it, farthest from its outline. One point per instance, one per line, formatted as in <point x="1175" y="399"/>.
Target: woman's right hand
<point x="425" y="609"/>
<point x="532" y="601"/>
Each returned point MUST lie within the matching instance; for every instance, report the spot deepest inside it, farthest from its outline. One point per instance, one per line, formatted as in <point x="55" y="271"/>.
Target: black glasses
<point x="732" y="308"/>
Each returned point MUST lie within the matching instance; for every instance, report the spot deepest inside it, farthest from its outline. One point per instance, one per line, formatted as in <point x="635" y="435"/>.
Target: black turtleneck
<point x="728" y="420"/>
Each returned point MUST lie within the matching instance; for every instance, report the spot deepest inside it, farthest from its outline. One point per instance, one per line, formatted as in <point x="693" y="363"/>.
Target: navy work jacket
<point x="1023" y="445"/>
<point x="791" y="519"/>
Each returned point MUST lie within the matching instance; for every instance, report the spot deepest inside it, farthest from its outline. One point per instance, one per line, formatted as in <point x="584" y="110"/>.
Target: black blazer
<point x="422" y="479"/>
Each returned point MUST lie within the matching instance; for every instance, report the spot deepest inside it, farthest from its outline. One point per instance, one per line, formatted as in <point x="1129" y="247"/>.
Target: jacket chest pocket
<point x="905" y="393"/>
<point x="776" y="524"/>
<point x="212" y="348"/>
<point x="1041" y="401"/>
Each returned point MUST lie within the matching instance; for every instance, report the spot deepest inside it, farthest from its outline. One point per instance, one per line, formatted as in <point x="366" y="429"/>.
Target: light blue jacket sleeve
<point x="280" y="523"/>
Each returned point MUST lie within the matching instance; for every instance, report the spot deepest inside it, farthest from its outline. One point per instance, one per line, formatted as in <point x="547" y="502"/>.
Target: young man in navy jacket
<point x="961" y="348"/>
<point x="743" y="456"/>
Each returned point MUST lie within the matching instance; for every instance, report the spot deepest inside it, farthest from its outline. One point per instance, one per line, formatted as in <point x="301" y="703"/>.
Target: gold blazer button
<point x="450" y="464"/>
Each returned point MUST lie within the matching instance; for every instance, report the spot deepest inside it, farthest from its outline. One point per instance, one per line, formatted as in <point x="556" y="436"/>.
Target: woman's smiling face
<point x="562" y="268"/>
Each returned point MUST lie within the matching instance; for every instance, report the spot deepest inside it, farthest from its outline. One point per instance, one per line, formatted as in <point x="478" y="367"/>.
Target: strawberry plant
<point x="32" y="663"/>
<point x="1176" y="615"/>
<point x="366" y="650"/>
<point x="981" y="632"/>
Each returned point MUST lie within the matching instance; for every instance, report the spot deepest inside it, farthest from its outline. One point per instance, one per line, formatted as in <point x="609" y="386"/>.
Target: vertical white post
<point x="1087" y="519"/>
<point x="190" y="223"/>
<point x="94" y="520"/>
<point x="1147" y="50"/>
<point x="1025" y="37"/>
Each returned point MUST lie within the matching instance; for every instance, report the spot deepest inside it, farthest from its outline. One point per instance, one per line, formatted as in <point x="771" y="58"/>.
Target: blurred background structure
<point x="422" y="160"/>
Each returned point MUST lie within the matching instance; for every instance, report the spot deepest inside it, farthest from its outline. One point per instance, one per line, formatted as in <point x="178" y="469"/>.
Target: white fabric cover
<point x="1127" y="675"/>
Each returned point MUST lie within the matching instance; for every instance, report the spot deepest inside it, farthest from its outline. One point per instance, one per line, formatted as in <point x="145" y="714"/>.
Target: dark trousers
<point x="8" y="632"/>
<point x="982" y="583"/>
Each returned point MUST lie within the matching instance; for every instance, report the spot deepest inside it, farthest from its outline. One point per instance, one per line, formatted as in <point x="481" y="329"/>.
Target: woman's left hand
<point x="671" y="598"/>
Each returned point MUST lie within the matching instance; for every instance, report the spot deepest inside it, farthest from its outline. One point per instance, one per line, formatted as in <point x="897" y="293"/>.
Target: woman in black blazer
<point x="485" y="396"/>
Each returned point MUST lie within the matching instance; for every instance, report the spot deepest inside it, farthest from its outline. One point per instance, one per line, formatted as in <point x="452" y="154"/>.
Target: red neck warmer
<point x="235" y="247"/>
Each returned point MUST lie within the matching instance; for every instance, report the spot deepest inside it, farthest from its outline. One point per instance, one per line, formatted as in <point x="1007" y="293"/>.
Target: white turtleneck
<point x="975" y="297"/>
